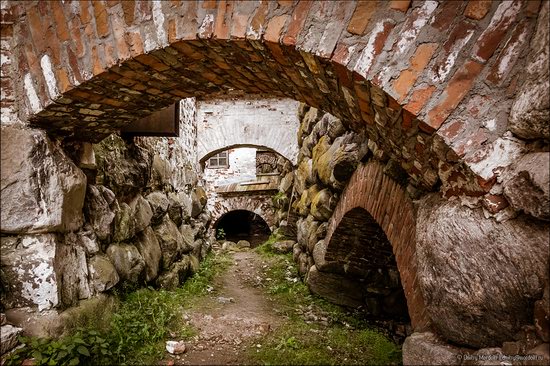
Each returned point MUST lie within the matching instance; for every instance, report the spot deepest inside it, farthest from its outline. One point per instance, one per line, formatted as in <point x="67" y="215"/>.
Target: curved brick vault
<point x="259" y="204"/>
<point x="210" y="153"/>
<point x="389" y="206"/>
<point x="247" y="122"/>
<point x="430" y="82"/>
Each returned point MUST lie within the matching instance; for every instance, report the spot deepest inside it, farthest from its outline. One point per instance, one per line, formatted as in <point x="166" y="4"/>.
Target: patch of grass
<point x="344" y="338"/>
<point x="133" y="331"/>
<point x="266" y="248"/>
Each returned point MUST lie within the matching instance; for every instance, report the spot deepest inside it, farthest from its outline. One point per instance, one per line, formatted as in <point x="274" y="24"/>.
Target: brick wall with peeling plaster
<point x="456" y="93"/>
<point x="370" y="64"/>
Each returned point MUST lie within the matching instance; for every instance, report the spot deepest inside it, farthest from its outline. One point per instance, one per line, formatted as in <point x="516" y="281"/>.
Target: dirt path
<point x="232" y="317"/>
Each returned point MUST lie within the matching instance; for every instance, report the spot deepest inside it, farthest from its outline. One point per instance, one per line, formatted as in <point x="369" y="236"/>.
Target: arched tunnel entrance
<point x="242" y="225"/>
<point x="362" y="268"/>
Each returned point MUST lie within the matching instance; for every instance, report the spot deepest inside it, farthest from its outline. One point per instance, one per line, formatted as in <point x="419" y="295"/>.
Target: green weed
<point x="131" y="332"/>
<point x="345" y="338"/>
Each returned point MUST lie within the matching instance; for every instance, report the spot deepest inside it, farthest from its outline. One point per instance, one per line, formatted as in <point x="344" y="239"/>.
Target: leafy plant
<point x="85" y="347"/>
<point x="220" y="235"/>
<point x="343" y="338"/>
<point x="135" y="331"/>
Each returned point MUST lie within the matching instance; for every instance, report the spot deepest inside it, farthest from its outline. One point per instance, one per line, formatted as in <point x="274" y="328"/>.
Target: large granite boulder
<point x="198" y="201"/>
<point x="28" y="268"/>
<point x="41" y="189"/>
<point x="480" y="278"/>
<point x="322" y="205"/>
<point x="530" y="112"/>
<point x="141" y="213"/>
<point x="335" y="163"/>
<point x="103" y="274"/>
<point x="72" y="270"/>
<point x="159" y="205"/>
<point x="127" y="260"/>
<point x="527" y="185"/>
<point x="170" y="240"/>
<point x="124" y="223"/>
<point x="123" y="167"/>
<point x="98" y="211"/>
<point x="428" y="349"/>
<point x="177" y="273"/>
<point x="149" y="248"/>
<point x="9" y="337"/>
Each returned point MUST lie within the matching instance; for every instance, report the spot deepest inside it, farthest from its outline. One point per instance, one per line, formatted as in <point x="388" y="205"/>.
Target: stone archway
<point x="92" y="67"/>
<point x="227" y="123"/>
<point x="433" y="84"/>
<point x="243" y="225"/>
<point x="378" y="201"/>
<point x="259" y="204"/>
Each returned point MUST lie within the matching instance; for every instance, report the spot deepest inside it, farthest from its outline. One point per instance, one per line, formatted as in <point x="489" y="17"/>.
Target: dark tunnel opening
<point x="243" y="225"/>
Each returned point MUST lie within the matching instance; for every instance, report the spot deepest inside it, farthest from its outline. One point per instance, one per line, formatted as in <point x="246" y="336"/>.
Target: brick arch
<point x="413" y="74"/>
<point x="259" y="204"/>
<point x="230" y="122"/>
<point x="382" y="202"/>
<point x="210" y="153"/>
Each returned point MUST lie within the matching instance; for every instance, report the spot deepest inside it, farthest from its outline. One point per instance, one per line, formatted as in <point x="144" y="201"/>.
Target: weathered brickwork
<point x="228" y="123"/>
<point x="390" y="206"/>
<point x="260" y="204"/>
<point x="86" y="68"/>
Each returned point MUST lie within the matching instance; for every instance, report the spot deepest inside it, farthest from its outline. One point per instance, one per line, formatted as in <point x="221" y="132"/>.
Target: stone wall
<point x="80" y="219"/>
<point x="436" y="80"/>
<point x="458" y="260"/>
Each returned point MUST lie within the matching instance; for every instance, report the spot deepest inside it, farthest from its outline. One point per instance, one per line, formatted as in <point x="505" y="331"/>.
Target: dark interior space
<point x="243" y="225"/>
<point x="361" y="247"/>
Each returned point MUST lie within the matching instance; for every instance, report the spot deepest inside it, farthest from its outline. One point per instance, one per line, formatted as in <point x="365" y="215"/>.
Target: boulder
<point x="334" y="164"/>
<point x="322" y="205"/>
<point x="527" y="185"/>
<point x="88" y="240"/>
<point x="103" y="274"/>
<point x="308" y="121"/>
<point x="170" y="240"/>
<point x="128" y="262"/>
<point x="198" y="201"/>
<point x="303" y="176"/>
<point x="455" y="244"/>
<point x="186" y="205"/>
<point x="188" y="234"/>
<point x="9" y="337"/>
<point x="427" y="349"/>
<point x="296" y="251"/>
<point x="283" y="247"/>
<point x="177" y="273"/>
<point x="37" y="174"/>
<point x="335" y="128"/>
<point x="28" y="264"/>
<point x="123" y="167"/>
<point x="243" y="244"/>
<point x="197" y="248"/>
<point x="229" y="245"/>
<point x="336" y="288"/>
<point x="149" y="248"/>
<point x="141" y="213"/>
<point x="175" y="208"/>
<point x="530" y="112"/>
<point x="98" y="211"/>
<point x="285" y="186"/>
<point x="159" y="205"/>
<point x="71" y="270"/>
<point x="124" y="223"/>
